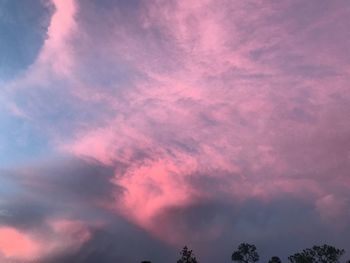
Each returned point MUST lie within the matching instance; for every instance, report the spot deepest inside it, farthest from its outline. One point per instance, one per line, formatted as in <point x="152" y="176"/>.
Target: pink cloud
<point x="206" y="107"/>
<point x="56" y="57"/>
<point x="224" y="91"/>
<point x="150" y="187"/>
<point x="17" y="245"/>
<point x="56" y="52"/>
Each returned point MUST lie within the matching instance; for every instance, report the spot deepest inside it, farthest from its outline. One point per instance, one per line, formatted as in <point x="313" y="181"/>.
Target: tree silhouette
<point x="246" y="253"/>
<point x="318" y="254"/>
<point x="187" y="256"/>
<point x="275" y="259"/>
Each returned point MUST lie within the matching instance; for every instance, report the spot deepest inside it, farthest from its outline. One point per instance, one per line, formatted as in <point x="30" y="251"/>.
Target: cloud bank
<point x="213" y="122"/>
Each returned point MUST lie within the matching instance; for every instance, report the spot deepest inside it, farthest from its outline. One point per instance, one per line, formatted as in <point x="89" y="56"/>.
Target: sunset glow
<point x="163" y="123"/>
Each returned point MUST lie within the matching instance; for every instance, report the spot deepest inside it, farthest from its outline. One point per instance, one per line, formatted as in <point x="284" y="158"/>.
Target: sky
<point x="130" y="128"/>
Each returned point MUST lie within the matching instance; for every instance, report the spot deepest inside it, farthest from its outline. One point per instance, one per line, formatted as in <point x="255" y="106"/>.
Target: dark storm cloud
<point x="68" y="188"/>
<point x="73" y="189"/>
<point x="120" y="242"/>
<point x="280" y="227"/>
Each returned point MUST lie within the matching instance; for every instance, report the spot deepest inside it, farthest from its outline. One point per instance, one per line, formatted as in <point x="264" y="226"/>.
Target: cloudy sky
<point x="130" y="128"/>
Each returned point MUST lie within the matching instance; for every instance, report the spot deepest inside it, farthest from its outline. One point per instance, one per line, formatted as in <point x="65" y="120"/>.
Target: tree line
<point x="247" y="253"/>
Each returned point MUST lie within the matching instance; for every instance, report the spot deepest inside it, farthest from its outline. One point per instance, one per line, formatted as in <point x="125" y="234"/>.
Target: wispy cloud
<point x="197" y="107"/>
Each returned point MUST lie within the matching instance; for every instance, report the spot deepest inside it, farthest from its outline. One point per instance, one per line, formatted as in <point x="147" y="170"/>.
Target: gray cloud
<point x="120" y="242"/>
<point x="281" y="227"/>
<point x="68" y="188"/>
